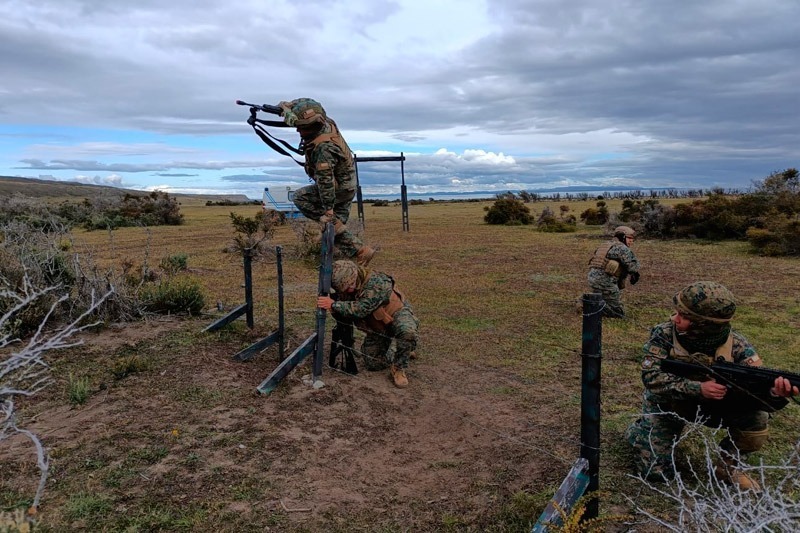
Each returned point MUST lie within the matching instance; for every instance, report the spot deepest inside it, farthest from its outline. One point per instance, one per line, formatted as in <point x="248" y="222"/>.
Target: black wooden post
<point x="325" y="271"/>
<point x="403" y="192"/>
<point x="281" y="323"/>
<point x="590" y="393"/>
<point x="359" y="196"/>
<point x="248" y="285"/>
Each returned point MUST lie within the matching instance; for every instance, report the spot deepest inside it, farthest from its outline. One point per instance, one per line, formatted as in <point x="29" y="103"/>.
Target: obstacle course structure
<point x="316" y="342"/>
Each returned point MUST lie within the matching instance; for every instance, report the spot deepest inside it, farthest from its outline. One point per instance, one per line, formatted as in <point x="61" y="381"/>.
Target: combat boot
<point x="727" y="472"/>
<point x="365" y="255"/>
<point x="399" y="377"/>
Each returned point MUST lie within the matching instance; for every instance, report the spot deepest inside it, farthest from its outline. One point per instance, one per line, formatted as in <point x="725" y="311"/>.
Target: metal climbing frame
<point x="316" y="342"/>
<point x="247" y="308"/>
<point x="403" y="190"/>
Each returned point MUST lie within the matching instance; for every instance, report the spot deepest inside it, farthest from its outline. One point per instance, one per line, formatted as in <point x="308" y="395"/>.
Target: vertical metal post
<point x="325" y="271"/>
<point x="590" y="393"/>
<point x="403" y="192"/>
<point x="248" y="285"/>
<point x="281" y="323"/>
<point x="359" y="197"/>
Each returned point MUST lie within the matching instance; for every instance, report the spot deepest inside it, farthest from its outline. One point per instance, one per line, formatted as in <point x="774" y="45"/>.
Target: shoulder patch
<point x="323" y="165"/>
<point x="753" y="361"/>
<point x="655" y="350"/>
<point x="647" y="362"/>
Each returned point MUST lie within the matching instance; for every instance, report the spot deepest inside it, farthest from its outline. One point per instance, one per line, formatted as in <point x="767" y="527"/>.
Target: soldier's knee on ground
<point x="749" y="441"/>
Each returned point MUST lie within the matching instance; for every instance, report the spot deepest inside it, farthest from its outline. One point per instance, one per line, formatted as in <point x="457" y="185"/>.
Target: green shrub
<point x="174" y="263"/>
<point x="173" y="295"/>
<point x="128" y="365"/>
<point x="508" y="211"/>
<point x="78" y="390"/>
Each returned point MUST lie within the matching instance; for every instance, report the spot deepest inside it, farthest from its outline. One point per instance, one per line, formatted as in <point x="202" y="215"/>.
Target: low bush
<point x="174" y="263"/>
<point x="509" y="211"/>
<point x="173" y="295"/>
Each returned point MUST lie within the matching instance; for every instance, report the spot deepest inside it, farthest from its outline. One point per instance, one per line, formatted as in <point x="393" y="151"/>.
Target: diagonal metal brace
<point x="287" y="365"/>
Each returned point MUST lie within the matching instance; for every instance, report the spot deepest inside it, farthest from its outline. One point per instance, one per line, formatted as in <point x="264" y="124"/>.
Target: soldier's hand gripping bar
<point x="266" y="108"/>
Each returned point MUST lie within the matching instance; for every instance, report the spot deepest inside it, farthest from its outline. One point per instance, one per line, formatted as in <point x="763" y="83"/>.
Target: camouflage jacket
<point x="661" y="385"/>
<point x="331" y="167"/>
<point x="374" y="292"/>
<point x="624" y="255"/>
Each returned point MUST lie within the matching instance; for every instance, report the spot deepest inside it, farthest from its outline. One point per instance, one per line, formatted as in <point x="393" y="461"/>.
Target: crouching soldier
<point x="699" y="331"/>
<point x="609" y="267"/>
<point x="372" y="302"/>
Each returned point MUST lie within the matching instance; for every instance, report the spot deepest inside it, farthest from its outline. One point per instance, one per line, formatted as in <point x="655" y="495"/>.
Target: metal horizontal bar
<point x="381" y="158"/>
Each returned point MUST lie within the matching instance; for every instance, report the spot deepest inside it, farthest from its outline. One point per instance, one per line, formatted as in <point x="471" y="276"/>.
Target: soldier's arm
<point x="629" y="259"/>
<point x="657" y="381"/>
<point x="324" y="164"/>
<point x="375" y="293"/>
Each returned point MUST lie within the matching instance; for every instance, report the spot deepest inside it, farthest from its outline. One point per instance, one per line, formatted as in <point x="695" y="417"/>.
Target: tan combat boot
<point x="365" y="255"/>
<point x="727" y="472"/>
<point x="399" y="377"/>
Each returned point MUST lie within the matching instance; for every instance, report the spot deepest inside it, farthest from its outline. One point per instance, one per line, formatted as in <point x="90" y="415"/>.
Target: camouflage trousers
<point x="653" y="434"/>
<point x="309" y="202"/>
<point x="601" y="282"/>
<point x="377" y="348"/>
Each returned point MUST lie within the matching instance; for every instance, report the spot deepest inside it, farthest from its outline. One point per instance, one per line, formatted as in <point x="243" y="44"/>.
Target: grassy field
<point x="173" y="437"/>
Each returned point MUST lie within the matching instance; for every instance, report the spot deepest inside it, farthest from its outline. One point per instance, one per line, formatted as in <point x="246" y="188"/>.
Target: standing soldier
<point x="699" y="331"/>
<point x="372" y="302"/>
<point x="610" y="265"/>
<point x="329" y="163"/>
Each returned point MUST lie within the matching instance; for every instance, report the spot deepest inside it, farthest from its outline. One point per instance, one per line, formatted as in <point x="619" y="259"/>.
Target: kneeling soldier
<point x="699" y="331"/>
<point x="372" y="302"/>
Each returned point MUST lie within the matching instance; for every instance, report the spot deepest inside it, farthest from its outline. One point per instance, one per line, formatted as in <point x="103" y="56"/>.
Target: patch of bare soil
<point x="190" y="435"/>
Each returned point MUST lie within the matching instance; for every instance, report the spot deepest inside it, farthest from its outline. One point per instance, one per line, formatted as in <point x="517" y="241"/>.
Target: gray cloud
<point x="705" y="92"/>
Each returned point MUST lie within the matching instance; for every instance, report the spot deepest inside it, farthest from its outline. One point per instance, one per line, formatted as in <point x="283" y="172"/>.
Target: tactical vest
<point x="336" y="138"/>
<point x="609" y="266"/>
<point x="384" y="315"/>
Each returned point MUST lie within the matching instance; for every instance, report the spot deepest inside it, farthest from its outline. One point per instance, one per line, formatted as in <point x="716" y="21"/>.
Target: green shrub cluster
<point x="509" y="211"/>
<point x="596" y="216"/>
<point x="768" y="217"/>
<point x="154" y="209"/>
<point x="549" y="223"/>
<point x="173" y="295"/>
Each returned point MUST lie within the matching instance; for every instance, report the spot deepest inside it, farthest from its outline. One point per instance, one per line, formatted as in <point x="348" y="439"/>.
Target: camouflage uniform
<point x="330" y="165"/>
<point x="745" y="416"/>
<point x="374" y="291"/>
<point x="609" y="286"/>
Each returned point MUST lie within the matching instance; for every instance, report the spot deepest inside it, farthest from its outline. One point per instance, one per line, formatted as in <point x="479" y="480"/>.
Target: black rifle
<point x="279" y="145"/>
<point x="752" y="380"/>
<point x="266" y="108"/>
<point x="342" y="342"/>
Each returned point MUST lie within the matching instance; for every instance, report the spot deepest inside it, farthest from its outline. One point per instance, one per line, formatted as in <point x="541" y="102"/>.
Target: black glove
<point x="634" y="278"/>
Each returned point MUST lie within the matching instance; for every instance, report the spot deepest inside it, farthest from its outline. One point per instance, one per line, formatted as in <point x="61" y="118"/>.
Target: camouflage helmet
<point x="302" y="112"/>
<point x="344" y="275"/>
<point x="705" y="301"/>
<point x="624" y="231"/>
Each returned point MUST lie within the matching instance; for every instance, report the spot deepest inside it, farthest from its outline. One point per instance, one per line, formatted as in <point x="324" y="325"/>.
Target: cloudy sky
<point x="479" y="95"/>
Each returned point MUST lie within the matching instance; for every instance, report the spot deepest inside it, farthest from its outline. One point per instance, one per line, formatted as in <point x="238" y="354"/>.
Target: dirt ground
<point x="357" y="454"/>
